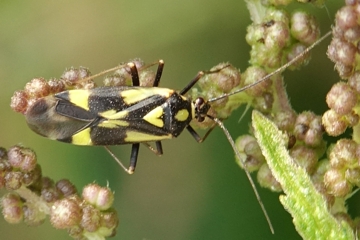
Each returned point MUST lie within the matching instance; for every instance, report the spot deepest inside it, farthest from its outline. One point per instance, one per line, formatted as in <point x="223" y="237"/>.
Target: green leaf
<point x="307" y="207"/>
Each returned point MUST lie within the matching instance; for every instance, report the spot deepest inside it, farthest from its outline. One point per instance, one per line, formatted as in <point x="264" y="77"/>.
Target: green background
<point x="194" y="191"/>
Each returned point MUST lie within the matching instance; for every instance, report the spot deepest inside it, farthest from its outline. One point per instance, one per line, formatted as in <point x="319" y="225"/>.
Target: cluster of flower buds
<point x="39" y="88"/>
<point x="343" y="164"/>
<point x="77" y="78"/>
<point x="343" y="51"/>
<point x="275" y="39"/>
<point x="306" y="146"/>
<point x="344" y="169"/>
<point x="280" y="37"/>
<point x="337" y="175"/>
<point x="32" y="197"/>
<point x="345" y="44"/>
<point x="122" y="76"/>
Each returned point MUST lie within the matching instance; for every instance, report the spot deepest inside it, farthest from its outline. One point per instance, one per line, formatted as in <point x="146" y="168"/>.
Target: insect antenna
<point x="280" y="69"/>
<point x="232" y="143"/>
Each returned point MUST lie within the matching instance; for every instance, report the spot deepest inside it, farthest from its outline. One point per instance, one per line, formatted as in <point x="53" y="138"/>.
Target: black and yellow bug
<point x="131" y="115"/>
<point x="118" y="115"/>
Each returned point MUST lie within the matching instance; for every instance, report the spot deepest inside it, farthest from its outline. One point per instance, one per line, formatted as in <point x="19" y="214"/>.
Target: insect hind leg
<point x="158" y="150"/>
<point x="134" y="155"/>
<point x="133" y="159"/>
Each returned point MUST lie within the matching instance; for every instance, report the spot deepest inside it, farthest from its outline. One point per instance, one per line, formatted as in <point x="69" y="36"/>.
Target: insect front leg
<point x="196" y="136"/>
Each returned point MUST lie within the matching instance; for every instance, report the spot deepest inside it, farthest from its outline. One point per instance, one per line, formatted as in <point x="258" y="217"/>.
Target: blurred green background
<point x="194" y="191"/>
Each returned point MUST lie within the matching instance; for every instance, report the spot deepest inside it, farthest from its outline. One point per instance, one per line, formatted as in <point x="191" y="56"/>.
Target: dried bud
<point x="100" y="197"/>
<point x="308" y="128"/>
<point x="341" y="98"/>
<point x="91" y="218"/>
<point x="223" y="81"/>
<point x="250" y="152"/>
<point x="37" y="88"/>
<point x="306" y="157"/>
<point x="304" y="27"/>
<point x="346" y="17"/>
<point x="254" y="74"/>
<point x="267" y="180"/>
<point x="343" y="154"/>
<point x="19" y="102"/>
<point x="147" y="78"/>
<point x="22" y="158"/>
<point x="12" y="208"/>
<point x="333" y="123"/>
<point x="336" y="183"/>
<point x="65" y="213"/>
<point x="13" y="180"/>
<point x="66" y="187"/>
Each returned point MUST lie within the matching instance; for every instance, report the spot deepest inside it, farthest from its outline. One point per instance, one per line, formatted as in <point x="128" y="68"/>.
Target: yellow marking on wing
<point x="137" y="94"/>
<point x="80" y="98"/>
<point x="182" y="115"/>
<point x="154" y="117"/>
<point x="82" y="138"/>
<point x="113" y="124"/>
<point x="143" y="137"/>
<point x="112" y="114"/>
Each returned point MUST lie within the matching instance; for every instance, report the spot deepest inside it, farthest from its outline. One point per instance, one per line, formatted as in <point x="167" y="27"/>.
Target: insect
<point x="131" y="114"/>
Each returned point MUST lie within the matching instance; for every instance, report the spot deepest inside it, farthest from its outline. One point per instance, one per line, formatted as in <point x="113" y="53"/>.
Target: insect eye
<point x="199" y="102"/>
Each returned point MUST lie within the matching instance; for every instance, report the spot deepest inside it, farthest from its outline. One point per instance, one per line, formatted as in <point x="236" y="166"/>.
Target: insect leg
<point x="158" y="151"/>
<point x="197" y="77"/>
<point x="159" y="73"/>
<point x="136" y="82"/>
<point x="117" y="159"/>
<point x="158" y="148"/>
<point x="134" y="74"/>
<point x="133" y="158"/>
<point x="136" y="146"/>
<point x="196" y="135"/>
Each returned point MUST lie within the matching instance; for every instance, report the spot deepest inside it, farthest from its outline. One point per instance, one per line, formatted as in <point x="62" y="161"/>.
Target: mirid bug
<point x="130" y="114"/>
